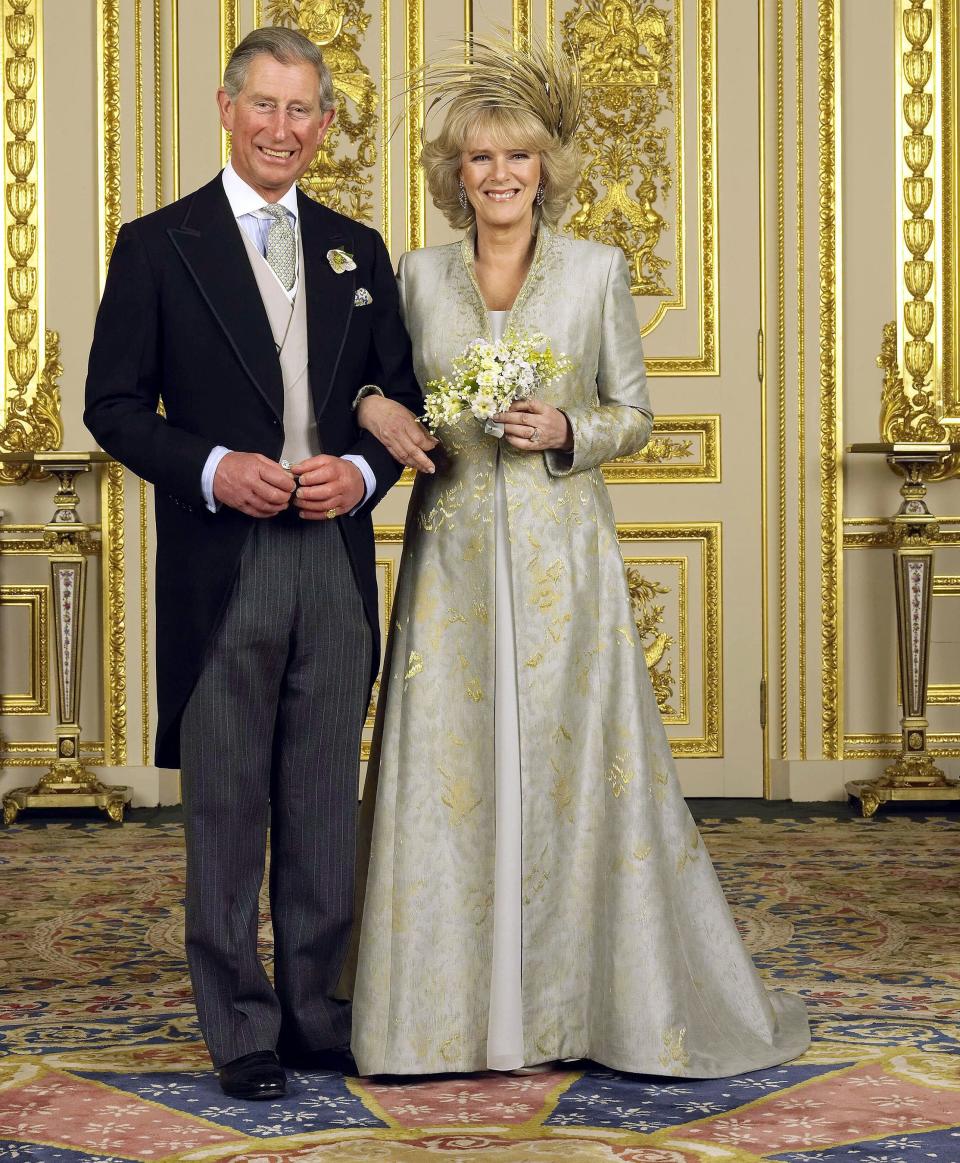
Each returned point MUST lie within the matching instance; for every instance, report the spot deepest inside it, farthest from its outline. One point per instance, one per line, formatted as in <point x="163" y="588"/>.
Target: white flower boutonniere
<point x="340" y="261"/>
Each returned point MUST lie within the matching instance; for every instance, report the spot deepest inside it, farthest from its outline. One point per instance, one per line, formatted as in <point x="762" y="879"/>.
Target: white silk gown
<point x="628" y="953"/>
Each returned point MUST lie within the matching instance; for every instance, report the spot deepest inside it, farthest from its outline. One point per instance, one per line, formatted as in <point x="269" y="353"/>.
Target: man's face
<point x="276" y="123"/>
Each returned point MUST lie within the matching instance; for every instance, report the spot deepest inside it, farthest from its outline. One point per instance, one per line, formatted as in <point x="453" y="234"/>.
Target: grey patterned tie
<point x="281" y="246"/>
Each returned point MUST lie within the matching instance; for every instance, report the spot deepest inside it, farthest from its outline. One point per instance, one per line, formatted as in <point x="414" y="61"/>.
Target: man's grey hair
<point x="289" y="46"/>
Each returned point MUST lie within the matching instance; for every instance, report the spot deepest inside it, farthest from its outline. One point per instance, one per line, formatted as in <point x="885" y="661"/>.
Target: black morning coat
<point x="182" y="319"/>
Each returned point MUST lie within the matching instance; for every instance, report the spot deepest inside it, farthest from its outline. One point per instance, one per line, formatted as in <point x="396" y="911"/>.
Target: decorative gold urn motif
<point x="342" y="176"/>
<point x="629" y="60"/>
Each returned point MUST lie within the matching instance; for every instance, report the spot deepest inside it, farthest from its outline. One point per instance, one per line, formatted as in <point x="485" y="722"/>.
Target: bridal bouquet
<point x="489" y="376"/>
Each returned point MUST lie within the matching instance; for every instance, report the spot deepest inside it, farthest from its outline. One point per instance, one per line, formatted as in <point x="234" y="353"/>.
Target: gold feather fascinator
<point x="494" y="74"/>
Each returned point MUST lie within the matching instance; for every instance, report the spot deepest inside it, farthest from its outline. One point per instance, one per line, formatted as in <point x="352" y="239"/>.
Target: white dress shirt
<point x="246" y="203"/>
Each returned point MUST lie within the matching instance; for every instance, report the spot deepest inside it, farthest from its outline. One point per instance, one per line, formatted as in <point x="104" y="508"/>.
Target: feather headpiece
<point x="495" y="74"/>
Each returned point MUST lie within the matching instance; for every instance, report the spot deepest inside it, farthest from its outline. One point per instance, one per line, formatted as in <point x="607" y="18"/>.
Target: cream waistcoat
<point x="288" y="322"/>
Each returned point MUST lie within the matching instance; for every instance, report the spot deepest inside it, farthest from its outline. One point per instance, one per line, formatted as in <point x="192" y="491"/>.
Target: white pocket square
<point x="362" y="297"/>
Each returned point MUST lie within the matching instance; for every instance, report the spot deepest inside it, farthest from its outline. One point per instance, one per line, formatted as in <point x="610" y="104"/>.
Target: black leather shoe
<point x="254" y="1076"/>
<point x="338" y="1060"/>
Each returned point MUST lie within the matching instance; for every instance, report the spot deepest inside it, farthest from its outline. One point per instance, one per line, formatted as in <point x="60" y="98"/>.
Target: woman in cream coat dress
<point x="536" y="889"/>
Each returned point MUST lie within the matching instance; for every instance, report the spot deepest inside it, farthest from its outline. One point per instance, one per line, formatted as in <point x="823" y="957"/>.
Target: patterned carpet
<point x="102" y="1060"/>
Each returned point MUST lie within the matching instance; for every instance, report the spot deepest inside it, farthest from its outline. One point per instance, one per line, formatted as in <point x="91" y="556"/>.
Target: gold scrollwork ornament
<point x="626" y="59"/>
<point x="33" y="424"/>
<point x="648" y="616"/>
<point x="907" y="413"/>
<point x="340" y="179"/>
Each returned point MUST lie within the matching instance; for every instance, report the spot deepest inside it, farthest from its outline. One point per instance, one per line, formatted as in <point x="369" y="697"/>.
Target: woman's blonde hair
<point x="509" y="129"/>
<point x="504" y="97"/>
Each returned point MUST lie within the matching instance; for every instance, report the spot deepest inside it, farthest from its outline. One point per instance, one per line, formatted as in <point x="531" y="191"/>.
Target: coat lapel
<point x="329" y="298"/>
<point x="208" y="240"/>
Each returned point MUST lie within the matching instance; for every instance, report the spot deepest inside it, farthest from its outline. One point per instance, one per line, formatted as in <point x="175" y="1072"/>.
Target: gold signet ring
<point x="331" y="513"/>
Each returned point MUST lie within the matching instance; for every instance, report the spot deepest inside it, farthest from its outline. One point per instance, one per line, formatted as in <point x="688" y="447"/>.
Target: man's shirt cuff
<point x="209" y="472"/>
<point x="369" y="480"/>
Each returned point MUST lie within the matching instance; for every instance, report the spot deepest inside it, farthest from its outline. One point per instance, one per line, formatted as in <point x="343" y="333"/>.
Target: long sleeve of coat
<point x="619" y="421"/>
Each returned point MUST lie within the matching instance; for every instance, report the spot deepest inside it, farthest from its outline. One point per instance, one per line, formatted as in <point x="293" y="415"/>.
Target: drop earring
<point x="462" y="195"/>
<point x="540" y="195"/>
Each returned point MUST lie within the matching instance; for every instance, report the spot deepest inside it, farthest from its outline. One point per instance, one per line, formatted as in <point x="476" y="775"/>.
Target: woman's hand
<point x="533" y="426"/>
<point x="398" y="430"/>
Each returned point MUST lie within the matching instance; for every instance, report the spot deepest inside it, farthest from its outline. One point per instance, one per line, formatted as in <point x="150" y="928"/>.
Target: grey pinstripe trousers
<point x="271" y="736"/>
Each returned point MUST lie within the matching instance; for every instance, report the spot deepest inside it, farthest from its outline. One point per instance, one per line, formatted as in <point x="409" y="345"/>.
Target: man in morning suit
<point x="259" y="316"/>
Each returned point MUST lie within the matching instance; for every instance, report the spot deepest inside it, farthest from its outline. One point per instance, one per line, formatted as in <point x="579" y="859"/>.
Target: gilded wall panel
<point x="697" y="641"/>
<point x="634" y="192"/>
<point x="659" y="596"/>
<point x="352" y="172"/>
<point x="343" y="175"/>
<point x="681" y="449"/>
<point x="34" y="602"/>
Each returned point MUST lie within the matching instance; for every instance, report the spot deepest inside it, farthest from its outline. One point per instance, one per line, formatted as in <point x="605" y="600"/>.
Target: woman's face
<point x="501" y="183"/>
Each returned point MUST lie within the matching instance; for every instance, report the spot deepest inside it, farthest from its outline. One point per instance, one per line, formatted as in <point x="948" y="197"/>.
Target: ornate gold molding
<point x="386" y="192"/>
<point x="17" y="753"/>
<point x="883" y="745"/>
<point x="645" y="593"/>
<point x="414" y="111"/>
<point x="632" y="136"/>
<point x="113" y="568"/>
<point x="114" y="614"/>
<point x="522" y="23"/>
<point x="29" y="406"/>
<point x="831" y="389"/>
<point x="229" y="38"/>
<point x="708" y="536"/>
<point x="341" y="178"/>
<point x="157" y="106"/>
<point x="108" y="144"/>
<point x="682" y="450"/>
<point x="35" y="599"/>
<point x="801" y="474"/>
<point x="874" y="533"/>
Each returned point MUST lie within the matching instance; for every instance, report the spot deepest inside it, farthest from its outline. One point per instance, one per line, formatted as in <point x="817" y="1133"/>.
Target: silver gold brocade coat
<point x="630" y="954"/>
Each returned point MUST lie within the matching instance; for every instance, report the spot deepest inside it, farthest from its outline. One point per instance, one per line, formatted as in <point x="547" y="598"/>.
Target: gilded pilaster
<point x="29" y="405"/>
<point x="915" y="405"/>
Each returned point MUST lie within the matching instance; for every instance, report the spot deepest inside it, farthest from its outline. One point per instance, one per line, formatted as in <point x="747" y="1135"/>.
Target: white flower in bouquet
<point x="488" y="377"/>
